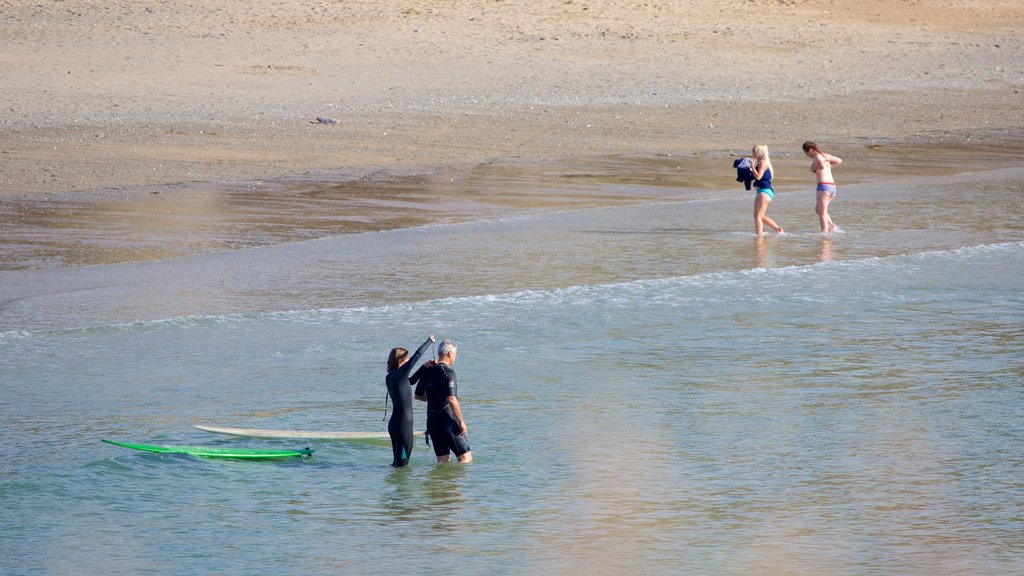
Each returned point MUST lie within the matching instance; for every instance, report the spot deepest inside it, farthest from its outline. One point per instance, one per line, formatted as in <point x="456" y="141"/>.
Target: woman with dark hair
<point x="821" y="165"/>
<point x="399" y="386"/>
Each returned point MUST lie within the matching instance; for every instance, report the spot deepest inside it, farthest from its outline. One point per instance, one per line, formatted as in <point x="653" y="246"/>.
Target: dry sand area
<point x="121" y="94"/>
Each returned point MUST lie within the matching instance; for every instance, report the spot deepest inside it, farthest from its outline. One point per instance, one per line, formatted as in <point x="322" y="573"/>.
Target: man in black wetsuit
<point x="400" y="390"/>
<point x="439" y="388"/>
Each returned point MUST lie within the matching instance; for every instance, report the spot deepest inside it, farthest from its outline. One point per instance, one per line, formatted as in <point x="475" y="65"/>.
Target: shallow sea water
<point x="648" y="388"/>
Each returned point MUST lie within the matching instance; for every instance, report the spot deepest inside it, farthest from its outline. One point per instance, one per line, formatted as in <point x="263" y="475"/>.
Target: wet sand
<point x="151" y="131"/>
<point x="157" y="222"/>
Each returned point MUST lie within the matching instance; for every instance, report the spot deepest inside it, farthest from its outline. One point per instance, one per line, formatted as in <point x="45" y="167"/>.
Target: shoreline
<point x="208" y="111"/>
<point x="157" y="222"/>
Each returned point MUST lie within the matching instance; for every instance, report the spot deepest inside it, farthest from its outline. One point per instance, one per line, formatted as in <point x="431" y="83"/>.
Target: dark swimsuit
<point x="764" y="184"/>
<point x="438" y="383"/>
<point x="400" y="426"/>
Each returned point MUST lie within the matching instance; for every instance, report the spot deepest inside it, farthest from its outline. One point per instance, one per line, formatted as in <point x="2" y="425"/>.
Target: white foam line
<point x="583" y="293"/>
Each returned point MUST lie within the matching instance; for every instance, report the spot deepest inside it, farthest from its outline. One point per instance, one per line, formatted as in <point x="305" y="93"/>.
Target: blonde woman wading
<point x="762" y="170"/>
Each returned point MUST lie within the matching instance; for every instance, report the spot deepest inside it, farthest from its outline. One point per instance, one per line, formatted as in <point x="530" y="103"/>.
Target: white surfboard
<point x="297" y="434"/>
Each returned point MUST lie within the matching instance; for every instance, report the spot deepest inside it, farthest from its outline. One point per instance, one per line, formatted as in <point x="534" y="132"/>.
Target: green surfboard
<point x="215" y="451"/>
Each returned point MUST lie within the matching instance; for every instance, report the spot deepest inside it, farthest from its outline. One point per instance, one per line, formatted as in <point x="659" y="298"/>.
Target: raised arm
<point x="423" y="348"/>
<point x="408" y="366"/>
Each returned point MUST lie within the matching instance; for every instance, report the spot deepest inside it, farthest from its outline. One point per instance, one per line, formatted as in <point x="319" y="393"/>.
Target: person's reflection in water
<point x="400" y="502"/>
<point x="825" y="246"/>
<point x="443" y="489"/>
<point x="760" y="252"/>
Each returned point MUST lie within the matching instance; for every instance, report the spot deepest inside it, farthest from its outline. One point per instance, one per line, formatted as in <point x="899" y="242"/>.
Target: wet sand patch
<point x="158" y="222"/>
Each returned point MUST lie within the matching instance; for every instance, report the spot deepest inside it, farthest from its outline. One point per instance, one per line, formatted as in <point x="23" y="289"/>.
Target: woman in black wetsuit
<point x="400" y="390"/>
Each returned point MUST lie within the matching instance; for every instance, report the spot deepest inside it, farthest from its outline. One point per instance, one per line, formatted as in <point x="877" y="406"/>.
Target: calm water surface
<point x="649" y="389"/>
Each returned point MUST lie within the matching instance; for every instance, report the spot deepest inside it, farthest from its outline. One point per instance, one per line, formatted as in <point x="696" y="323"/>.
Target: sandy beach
<point x="650" y="386"/>
<point x="106" y="103"/>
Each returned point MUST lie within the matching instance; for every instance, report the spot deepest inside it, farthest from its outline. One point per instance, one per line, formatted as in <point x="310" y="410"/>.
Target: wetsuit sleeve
<point x="419" y="352"/>
<point x="453" y="384"/>
<point x="408" y="366"/>
<point x="421" y="383"/>
<point x="415" y="378"/>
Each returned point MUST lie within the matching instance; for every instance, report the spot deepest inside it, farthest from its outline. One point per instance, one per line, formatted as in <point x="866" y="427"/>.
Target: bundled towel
<point x="744" y="171"/>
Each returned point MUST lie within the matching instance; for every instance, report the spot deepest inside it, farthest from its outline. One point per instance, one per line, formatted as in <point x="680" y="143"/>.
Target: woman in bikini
<point x="762" y="170"/>
<point x="821" y="165"/>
